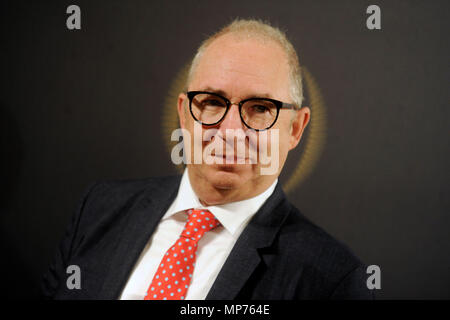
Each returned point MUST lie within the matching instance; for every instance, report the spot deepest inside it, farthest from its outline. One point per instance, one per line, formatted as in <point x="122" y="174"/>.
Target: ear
<point x="181" y="102"/>
<point x="299" y="123"/>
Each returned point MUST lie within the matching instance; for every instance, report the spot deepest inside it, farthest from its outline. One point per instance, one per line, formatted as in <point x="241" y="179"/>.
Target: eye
<point x="212" y="103"/>
<point x="257" y="108"/>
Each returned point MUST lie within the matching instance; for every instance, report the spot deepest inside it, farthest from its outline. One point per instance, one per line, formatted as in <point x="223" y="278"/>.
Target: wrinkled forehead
<point x="239" y="64"/>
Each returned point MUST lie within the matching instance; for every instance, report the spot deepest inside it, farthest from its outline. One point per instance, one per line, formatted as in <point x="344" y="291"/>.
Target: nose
<point x="232" y="119"/>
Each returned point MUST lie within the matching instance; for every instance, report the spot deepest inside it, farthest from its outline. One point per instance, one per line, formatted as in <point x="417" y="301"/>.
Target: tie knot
<point x="199" y="222"/>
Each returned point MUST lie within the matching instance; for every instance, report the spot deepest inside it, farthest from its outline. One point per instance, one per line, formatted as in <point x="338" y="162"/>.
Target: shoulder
<point x="326" y="262"/>
<point x="111" y="201"/>
<point x="311" y="236"/>
<point x="120" y="192"/>
<point x="125" y="188"/>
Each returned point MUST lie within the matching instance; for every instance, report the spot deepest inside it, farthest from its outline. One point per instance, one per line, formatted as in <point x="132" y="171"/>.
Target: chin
<point x="229" y="176"/>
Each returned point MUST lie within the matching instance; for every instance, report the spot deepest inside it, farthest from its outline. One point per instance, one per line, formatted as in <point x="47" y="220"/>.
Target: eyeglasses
<point x="259" y="114"/>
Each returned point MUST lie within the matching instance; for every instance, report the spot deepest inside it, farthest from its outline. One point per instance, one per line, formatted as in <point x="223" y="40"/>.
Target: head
<point x="246" y="59"/>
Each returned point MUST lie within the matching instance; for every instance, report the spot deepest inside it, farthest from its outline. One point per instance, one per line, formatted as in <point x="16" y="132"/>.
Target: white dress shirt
<point x="213" y="248"/>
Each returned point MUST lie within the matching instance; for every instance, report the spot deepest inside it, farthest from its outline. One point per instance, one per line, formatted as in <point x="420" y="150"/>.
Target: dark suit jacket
<point x="279" y="255"/>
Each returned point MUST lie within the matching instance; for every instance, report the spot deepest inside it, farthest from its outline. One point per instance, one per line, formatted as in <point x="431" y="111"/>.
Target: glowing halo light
<point x="312" y="147"/>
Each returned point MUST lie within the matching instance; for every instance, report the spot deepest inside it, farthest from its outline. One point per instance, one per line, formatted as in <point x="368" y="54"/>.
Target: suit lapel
<point x="142" y="221"/>
<point x="244" y="258"/>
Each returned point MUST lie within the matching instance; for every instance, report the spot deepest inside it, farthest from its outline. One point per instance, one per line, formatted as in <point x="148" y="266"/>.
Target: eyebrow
<point x="223" y="93"/>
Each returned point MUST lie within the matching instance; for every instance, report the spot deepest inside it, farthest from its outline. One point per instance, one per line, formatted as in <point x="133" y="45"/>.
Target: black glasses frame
<point x="278" y="104"/>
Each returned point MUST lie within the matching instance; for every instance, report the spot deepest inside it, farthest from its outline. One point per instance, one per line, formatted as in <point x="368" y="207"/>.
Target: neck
<point x="216" y="194"/>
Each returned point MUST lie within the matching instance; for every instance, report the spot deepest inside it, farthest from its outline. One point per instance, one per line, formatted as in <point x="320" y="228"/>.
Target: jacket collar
<point x="140" y="224"/>
<point x="244" y="258"/>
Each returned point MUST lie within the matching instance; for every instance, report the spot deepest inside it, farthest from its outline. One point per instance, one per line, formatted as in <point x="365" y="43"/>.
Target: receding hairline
<point x="238" y="39"/>
<point x="241" y="30"/>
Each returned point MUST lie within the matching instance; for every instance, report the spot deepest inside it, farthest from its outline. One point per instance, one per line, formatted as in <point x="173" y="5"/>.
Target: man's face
<point x="241" y="69"/>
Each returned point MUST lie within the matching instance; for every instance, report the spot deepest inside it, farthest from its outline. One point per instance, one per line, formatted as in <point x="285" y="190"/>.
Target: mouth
<point x="230" y="158"/>
<point x="233" y="158"/>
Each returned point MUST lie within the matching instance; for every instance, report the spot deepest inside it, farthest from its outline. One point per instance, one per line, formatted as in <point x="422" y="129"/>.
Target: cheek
<point x="189" y="126"/>
<point x="284" y="133"/>
<point x="284" y="144"/>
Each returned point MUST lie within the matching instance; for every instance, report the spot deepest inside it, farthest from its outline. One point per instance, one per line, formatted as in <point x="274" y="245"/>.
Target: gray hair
<point x="257" y="29"/>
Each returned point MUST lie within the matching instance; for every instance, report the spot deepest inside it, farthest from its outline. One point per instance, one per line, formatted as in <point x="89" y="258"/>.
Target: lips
<point x="232" y="158"/>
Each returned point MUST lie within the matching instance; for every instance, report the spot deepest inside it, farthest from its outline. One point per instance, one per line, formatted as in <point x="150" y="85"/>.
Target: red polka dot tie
<point x="174" y="274"/>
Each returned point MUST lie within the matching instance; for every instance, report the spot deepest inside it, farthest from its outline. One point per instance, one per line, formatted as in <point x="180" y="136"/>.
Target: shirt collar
<point x="233" y="216"/>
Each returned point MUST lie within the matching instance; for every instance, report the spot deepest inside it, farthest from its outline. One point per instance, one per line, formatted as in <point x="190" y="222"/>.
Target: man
<point x="224" y="230"/>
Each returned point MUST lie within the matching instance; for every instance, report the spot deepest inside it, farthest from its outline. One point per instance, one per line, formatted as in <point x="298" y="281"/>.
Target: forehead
<point x="243" y="67"/>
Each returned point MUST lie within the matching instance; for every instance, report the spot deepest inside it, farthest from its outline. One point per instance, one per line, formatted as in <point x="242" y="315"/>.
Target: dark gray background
<point x="80" y="106"/>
